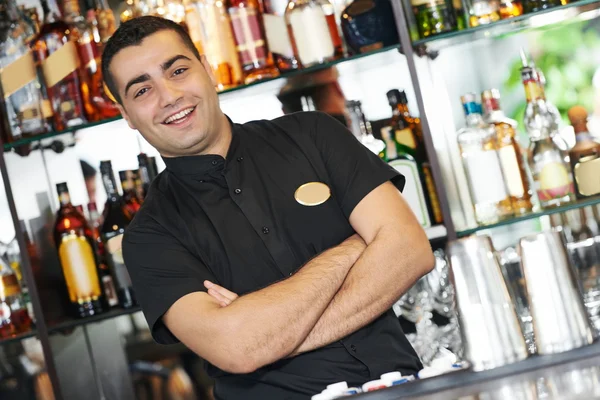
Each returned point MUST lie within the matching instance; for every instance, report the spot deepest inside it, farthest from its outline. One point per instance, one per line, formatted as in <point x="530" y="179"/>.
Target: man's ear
<point x="208" y="69"/>
<point x="125" y="116"/>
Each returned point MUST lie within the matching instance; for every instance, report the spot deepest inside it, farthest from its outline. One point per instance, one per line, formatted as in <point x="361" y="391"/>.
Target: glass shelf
<point x="225" y="92"/>
<point x="19" y="337"/>
<point x="583" y="9"/>
<point x="571" y="206"/>
<point x="73" y="323"/>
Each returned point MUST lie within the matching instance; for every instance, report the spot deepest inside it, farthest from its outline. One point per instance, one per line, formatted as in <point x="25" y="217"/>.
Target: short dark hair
<point x="132" y="33"/>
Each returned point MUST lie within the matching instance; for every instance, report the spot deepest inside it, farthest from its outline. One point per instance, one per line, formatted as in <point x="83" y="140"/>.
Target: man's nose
<point x="169" y="94"/>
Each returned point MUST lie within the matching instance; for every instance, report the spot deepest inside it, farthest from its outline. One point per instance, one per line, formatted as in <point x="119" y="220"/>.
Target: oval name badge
<point x="312" y="194"/>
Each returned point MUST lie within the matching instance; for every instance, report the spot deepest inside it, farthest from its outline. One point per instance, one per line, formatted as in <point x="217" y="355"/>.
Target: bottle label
<point x="311" y="35"/>
<point x="485" y="177"/>
<point x="17" y="74"/>
<point x="9" y="286"/>
<point x="512" y="172"/>
<point x="47" y="111"/>
<point x="587" y="177"/>
<point x="251" y="45"/>
<point x="60" y="64"/>
<point x="79" y="268"/>
<point x="109" y="291"/>
<point x="413" y="190"/>
<point x="406" y="137"/>
<point x="433" y="197"/>
<point x="116" y="262"/>
<point x="554" y="181"/>
<point x="277" y="35"/>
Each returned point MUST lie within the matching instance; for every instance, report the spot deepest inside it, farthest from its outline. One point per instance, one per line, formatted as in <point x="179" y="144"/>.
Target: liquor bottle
<point x="433" y="17"/>
<point x="73" y="239"/>
<point x="313" y="38"/>
<point x="361" y="128"/>
<point x="147" y="173"/>
<point x="246" y="23"/>
<point x="530" y="6"/>
<point x="14" y="318"/>
<point x="397" y="155"/>
<point x="91" y="19"/>
<point x="479" y="153"/>
<point x="60" y="63"/>
<point x="106" y="21"/>
<point x="173" y="10"/>
<point x="97" y="104"/>
<point x="115" y="220"/>
<point x="510" y="8"/>
<point x="548" y="163"/>
<point x="131" y="9"/>
<point x="106" y="279"/>
<point x="509" y="150"/>
<point x="210" y="30"/>
<point x="19" y="78"/>
<point x="482" y="12"/>
<point x="369" y="25"/>
<point x="130" y="200"/>
<point x="584" y="156"/>
<point x="278" y="37"/>
<point x="139" y="187"/>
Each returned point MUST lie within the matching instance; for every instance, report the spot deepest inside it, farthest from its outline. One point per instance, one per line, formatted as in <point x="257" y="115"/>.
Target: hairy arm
<point x="264" y="326"/>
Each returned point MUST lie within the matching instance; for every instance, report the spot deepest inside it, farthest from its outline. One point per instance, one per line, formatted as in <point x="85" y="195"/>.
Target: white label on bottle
<point x="485" y="177"/>
<point x="512" y="173"/>
<point x="413" y="190"/>
<point x="311" y="33"/>
<point x="277" y="35"/>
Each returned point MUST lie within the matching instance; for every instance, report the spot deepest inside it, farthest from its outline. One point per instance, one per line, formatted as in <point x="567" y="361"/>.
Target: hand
<point x="219" y="293"/>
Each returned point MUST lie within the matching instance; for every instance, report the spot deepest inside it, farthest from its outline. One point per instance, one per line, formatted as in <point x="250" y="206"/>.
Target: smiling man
<point x="294" y="215"/>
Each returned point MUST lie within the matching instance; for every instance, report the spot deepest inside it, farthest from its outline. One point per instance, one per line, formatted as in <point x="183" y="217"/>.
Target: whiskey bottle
<point x="509" y="150"/>
<point x="19" y="78"/>
<point x="131" y="9"/>
<point x="97" y="104"/>
<point x="482" y="12"/>
<point x="584" y="156"/>
<point x="210" y="30"/>
<point x="314" y="39"/>
<point x="74" y="241"/>
<point x="510" y="8"/>
<point x="433" y="17"/>
<point x="106" y="21"/>
<point x="277" y="34"/>
<point x="173" y="10"/>
<point x="60" y="63"/>
<point x="548" y="163"/>
<point x="115" y="220"/>
<point x="130" y="199"/>
<point x="369" y="25"/>
<point x="14" y="318"/>
<point x="479" y="153"/>
<point x="248" y="32"/>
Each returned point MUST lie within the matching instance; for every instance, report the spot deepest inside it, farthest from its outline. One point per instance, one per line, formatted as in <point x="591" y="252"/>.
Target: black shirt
<point x="236" y="222"/>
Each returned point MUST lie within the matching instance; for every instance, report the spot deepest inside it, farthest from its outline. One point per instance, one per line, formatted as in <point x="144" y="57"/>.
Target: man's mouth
<point x="179" y="117"/>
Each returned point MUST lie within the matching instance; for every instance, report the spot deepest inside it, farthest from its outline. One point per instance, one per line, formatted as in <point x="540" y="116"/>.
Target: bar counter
<point x="570" y="375"/>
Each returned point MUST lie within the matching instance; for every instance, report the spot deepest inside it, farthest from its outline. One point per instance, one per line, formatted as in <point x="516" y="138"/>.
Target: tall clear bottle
<point x="548" y="162"/>
<point x="479" y="153"/>
<point x="18" y="75"/>
<point x="278" y="36"/>
<point x="210" y="30"/>
<point x="509" y="150"/>
<point x="361" y="128"/>
<point x="115" y="220"/>
<point x="60" y="63"/>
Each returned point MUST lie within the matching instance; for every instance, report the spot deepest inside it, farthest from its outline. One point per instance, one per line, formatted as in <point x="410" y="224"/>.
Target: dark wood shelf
<point x="19" y="337"/>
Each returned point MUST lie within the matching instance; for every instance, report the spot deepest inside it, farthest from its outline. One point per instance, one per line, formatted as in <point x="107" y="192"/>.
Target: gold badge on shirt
<point x="312" y="194"/>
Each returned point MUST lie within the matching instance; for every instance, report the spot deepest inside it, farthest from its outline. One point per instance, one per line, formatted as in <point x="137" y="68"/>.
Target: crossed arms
<point x="331" y="296"/>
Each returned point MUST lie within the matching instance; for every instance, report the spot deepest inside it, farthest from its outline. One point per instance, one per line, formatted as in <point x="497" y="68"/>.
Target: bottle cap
<point x="123" y="175"/>
<point x="62" y="187"/>
<point x="577" y="114"/>
<point x="391" y="377"/>
<point x="374" y="385"/>
<point x="394" y="97"/>
<point x="468" y="98"/>
<point x="338" y="386"/>
<point x="92" y="206"/>
<point x="105" y="166"/>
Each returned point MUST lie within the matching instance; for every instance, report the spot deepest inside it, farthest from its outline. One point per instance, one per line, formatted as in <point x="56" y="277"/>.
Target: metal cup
<point x="490" y="328"/>
<point x="559" y="318"/>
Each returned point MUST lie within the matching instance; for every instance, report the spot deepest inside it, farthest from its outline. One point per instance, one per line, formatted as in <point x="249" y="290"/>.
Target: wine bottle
<point x="147" y="172"/>
<point x="116" y="220"/>
<point x="73" y="238"/>
<point x="130" y="199"/>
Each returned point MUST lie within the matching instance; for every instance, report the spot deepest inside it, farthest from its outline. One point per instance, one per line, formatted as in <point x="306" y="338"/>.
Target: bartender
<point x="293" y="215"/>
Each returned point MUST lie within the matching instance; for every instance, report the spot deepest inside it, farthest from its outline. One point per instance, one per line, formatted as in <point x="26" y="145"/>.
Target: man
<point x="294" y="215"/>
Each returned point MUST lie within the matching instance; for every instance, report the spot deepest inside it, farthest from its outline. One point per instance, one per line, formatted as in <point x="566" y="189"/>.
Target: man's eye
<point x="179" y="71"/>
<point x="141" y="92"/>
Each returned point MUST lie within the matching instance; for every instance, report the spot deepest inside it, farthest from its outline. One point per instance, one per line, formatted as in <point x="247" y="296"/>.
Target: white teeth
<point x="179" y="115"/>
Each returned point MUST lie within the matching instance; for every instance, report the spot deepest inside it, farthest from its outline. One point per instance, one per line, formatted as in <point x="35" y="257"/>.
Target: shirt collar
<point x="206" y="164"/>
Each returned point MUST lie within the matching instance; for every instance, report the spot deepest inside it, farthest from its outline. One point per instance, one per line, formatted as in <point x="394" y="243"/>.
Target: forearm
<point x="270" y="323"/>
<point x="381" y="275"/>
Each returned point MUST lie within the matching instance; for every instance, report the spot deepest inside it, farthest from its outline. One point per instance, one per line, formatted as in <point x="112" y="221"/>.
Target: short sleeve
<point x="162" y="271"/>
<point x="354" y="170"/>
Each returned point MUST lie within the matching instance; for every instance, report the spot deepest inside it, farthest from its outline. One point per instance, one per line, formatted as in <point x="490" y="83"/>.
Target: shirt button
<point x="240" y="159"/>
<point x="353" y="347"/>
<point x="265" y="230"/>
<point x="215" y="162"/>
<point x="237" y="191"/>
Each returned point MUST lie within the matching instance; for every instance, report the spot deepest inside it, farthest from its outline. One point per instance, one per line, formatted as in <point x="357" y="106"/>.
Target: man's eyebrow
<point x="137" y="79"/>
<point x="167" y="64"/>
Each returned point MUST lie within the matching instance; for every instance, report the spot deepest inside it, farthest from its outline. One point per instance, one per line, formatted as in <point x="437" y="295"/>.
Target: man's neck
<point x="221" y="144"/>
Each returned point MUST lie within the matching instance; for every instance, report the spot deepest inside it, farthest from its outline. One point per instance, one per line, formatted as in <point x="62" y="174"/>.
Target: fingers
<point x="223" y="301"/>
<point x="223" y="296"/>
